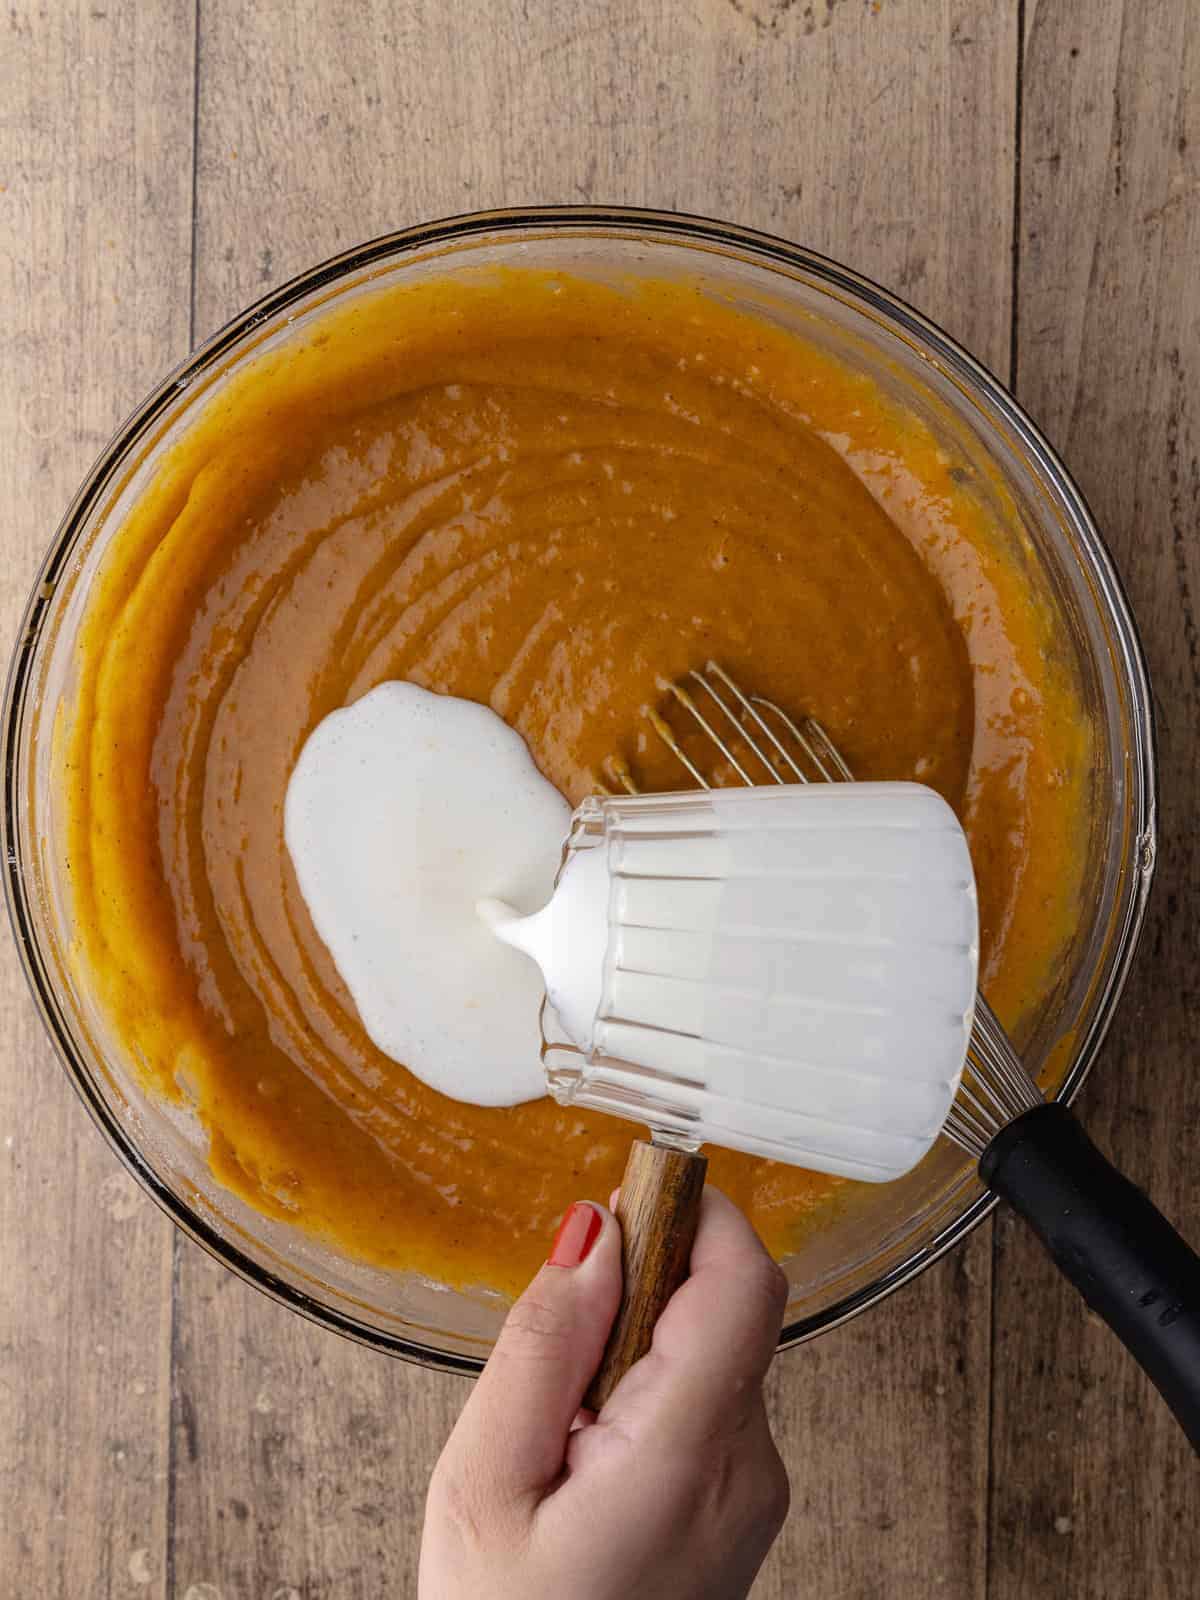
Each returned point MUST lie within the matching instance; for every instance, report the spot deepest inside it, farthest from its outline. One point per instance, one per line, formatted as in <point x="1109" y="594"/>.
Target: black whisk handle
<point x="1118" y="1249"/>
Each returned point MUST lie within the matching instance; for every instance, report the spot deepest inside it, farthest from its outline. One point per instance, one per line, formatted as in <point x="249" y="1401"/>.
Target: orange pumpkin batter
<point x="543" y="495"/>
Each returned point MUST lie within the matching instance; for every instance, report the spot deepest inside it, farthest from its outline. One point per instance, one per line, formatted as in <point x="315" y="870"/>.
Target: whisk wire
<point x="668" y="738"/>
<point x="749" y="708"/>
<point x="813" y="739"/>
<point x="995" y="1086"/>
<point x="686" y="700"/>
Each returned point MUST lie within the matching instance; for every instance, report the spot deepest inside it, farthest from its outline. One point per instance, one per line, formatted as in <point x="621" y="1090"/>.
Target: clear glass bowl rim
<point x="625" y="221"/>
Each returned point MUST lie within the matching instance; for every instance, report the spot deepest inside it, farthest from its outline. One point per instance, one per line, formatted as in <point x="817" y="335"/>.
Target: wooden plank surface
<point x="1095" y="1491"/>
<point x="292" y="1465"/>
<point x="95" y="229"/>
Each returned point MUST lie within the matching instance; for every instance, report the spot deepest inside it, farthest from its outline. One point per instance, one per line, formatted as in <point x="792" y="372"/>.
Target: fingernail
<point x="577" y="1233"/>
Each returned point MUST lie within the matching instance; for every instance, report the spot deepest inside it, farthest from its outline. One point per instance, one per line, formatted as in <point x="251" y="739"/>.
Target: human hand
<point x="674" y="1490"/>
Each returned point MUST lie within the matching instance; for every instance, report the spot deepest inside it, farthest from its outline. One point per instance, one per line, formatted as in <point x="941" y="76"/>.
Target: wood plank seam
<point x="1013" y="377"/>
<point x="177" y="1241"/>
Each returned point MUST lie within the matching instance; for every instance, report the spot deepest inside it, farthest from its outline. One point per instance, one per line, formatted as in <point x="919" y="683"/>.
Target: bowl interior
<point x="876" y="1237"/>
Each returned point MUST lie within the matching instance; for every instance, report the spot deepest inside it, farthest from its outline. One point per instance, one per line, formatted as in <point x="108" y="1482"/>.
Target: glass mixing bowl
<point x="881" y="1236"/>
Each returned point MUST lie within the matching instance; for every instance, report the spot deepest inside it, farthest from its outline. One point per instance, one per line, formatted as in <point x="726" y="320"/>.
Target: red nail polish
<point x="577" y="1233"/>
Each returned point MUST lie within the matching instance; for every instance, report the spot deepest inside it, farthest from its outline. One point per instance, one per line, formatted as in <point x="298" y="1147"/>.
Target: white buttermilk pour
<point x="403" y="810"/>
<point x="790" y="971"/>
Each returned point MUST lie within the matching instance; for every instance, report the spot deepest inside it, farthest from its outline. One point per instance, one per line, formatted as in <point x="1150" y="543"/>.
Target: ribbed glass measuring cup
<point x="787" y="971"/>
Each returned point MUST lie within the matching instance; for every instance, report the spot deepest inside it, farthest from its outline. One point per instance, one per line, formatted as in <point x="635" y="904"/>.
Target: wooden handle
<point x="658" y="1209"/>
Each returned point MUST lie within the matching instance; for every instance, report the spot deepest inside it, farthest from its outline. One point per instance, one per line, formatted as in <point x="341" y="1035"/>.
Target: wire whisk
<point x="1103" y="1233"/>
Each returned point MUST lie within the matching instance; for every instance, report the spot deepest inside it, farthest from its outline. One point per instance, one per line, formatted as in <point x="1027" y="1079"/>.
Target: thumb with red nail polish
<point x="513" y="1429"/>
<point x="675" y="1489"/>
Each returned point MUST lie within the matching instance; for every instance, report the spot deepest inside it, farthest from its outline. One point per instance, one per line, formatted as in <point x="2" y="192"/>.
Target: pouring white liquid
<point x="789" y="971"/>
<point x="568" y="939"/>
<point x="402" y="810"/>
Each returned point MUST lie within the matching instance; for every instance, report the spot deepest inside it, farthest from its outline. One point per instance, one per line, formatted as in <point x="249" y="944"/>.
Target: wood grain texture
<point x="1094" y="1489"/>
<point x="301" y="1460"/>
<point x="882" y="133"/>
<point x="658" y="1209"/>
<point x="95" y="246"/>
